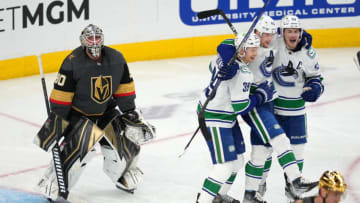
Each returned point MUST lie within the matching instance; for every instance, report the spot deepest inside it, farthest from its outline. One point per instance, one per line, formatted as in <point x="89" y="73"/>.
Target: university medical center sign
<point x="246" y="10"/>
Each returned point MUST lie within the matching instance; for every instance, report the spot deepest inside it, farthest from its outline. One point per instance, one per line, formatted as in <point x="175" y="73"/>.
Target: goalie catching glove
<point x="136" y="128"/>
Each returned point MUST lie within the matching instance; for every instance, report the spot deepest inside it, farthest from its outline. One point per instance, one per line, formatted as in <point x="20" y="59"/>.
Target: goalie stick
<point x="205" y="14"/>
<point x="59" y="171"/>
<point x="357" y="60"/>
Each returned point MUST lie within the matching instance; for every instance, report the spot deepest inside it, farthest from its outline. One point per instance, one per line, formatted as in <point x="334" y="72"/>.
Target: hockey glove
<point x="264" y="93"/>
<point x="312" y="90"/>
<point x="306" y="40"/>
<point x="227" y="72"/>
<point x="132" y="116"/>
<point x="136" y="129"/>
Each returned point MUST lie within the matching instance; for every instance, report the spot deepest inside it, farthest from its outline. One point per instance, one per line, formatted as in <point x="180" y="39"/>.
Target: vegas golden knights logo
<point x="101" y="88"/>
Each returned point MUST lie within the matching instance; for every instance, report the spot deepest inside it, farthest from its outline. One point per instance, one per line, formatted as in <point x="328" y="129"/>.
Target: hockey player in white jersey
<point x="261" y="119"/>
<point x="265" y="129"/>
<point x="223" y="135"/>
<point x="297" y="79"/>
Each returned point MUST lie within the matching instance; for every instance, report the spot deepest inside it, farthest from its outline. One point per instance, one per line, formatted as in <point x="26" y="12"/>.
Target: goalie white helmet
<point x="252" y="41"/>
<point x="266" y="25"/>
<point x="290" y="21"/>
<point x="92" y="39"/>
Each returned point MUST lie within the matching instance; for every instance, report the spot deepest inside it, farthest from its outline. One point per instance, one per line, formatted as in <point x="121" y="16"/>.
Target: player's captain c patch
<point x="101" y="88"/>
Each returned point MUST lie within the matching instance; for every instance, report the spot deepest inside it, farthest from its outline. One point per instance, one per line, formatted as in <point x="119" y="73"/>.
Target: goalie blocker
<point x="119" y="139"/>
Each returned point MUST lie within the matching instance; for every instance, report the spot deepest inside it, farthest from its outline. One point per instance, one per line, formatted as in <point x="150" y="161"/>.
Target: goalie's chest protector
<point x="96" y="82"/>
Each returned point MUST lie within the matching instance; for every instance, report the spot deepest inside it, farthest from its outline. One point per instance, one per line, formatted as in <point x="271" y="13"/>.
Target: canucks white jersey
<point x="261" y="70"/>
<point x="231" y="98"/>
<point x="290" y="87"/>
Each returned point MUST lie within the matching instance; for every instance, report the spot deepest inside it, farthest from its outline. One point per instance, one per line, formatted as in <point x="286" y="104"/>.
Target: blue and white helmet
<point x="266" y="25"/>
<point x="252" y="41"/>
<point x="290" y="21"/>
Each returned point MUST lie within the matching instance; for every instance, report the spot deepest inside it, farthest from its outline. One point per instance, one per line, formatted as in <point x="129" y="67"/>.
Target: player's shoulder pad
<point x="311" y="52"/>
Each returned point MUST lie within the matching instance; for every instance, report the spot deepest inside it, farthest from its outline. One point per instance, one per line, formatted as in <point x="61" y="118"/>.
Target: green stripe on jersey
<point x="290" y="104"/>
<point x="238" y="107"/>
<point x="218" y="116"/>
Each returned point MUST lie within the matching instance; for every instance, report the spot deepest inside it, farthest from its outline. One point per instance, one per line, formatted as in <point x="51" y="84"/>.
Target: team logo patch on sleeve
<point x="101" y="88"/>
<point x="311" y="53"/>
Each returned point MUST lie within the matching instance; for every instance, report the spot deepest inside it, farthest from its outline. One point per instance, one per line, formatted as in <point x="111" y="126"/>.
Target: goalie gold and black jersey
<point x="88" y="87"/>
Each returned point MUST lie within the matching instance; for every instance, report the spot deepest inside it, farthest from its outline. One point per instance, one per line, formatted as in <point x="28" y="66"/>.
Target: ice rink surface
<point x="167" y="92"/>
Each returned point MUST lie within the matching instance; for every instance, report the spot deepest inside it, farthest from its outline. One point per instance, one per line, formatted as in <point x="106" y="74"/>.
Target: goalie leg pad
<point x="113" y="165"/>
<point x="80" y="142"/>
<point x="115" y="138"/>
<point x="48" y="184"/>
<point x="120" y="157"/>
<point x="77" y="150"/>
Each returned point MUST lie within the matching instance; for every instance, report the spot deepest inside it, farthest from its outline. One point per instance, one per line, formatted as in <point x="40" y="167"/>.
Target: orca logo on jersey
<point x="101" y="88"/>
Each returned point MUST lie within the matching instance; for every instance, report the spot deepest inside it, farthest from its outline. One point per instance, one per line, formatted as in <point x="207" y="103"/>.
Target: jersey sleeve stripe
<point x="60" y="102"/>
<point x="124" y="94"/>
<point x="61" y="97"/>
<point x="125" y="89"/>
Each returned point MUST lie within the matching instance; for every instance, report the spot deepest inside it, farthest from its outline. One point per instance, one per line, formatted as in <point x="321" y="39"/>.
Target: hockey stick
<point x="201" y="116"/>
<point x="59" y="171"/>
<point x="208" y="13"/>
<point x="188" y="144"/>
<point x="357" y="60"/>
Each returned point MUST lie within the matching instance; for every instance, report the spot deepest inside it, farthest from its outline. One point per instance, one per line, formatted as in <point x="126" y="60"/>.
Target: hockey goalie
<point x="93" y="101"/>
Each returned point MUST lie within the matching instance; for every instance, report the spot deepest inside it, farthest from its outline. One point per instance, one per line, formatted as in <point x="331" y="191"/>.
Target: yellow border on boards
<point x="171" y="48"/>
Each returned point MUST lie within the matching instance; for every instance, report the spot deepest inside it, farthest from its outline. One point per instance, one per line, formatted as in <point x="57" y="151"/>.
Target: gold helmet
<point x="332" y="181"/>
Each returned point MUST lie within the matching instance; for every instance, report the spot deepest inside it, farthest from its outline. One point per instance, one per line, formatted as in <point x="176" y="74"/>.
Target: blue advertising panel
<point x="243" y="12"/>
